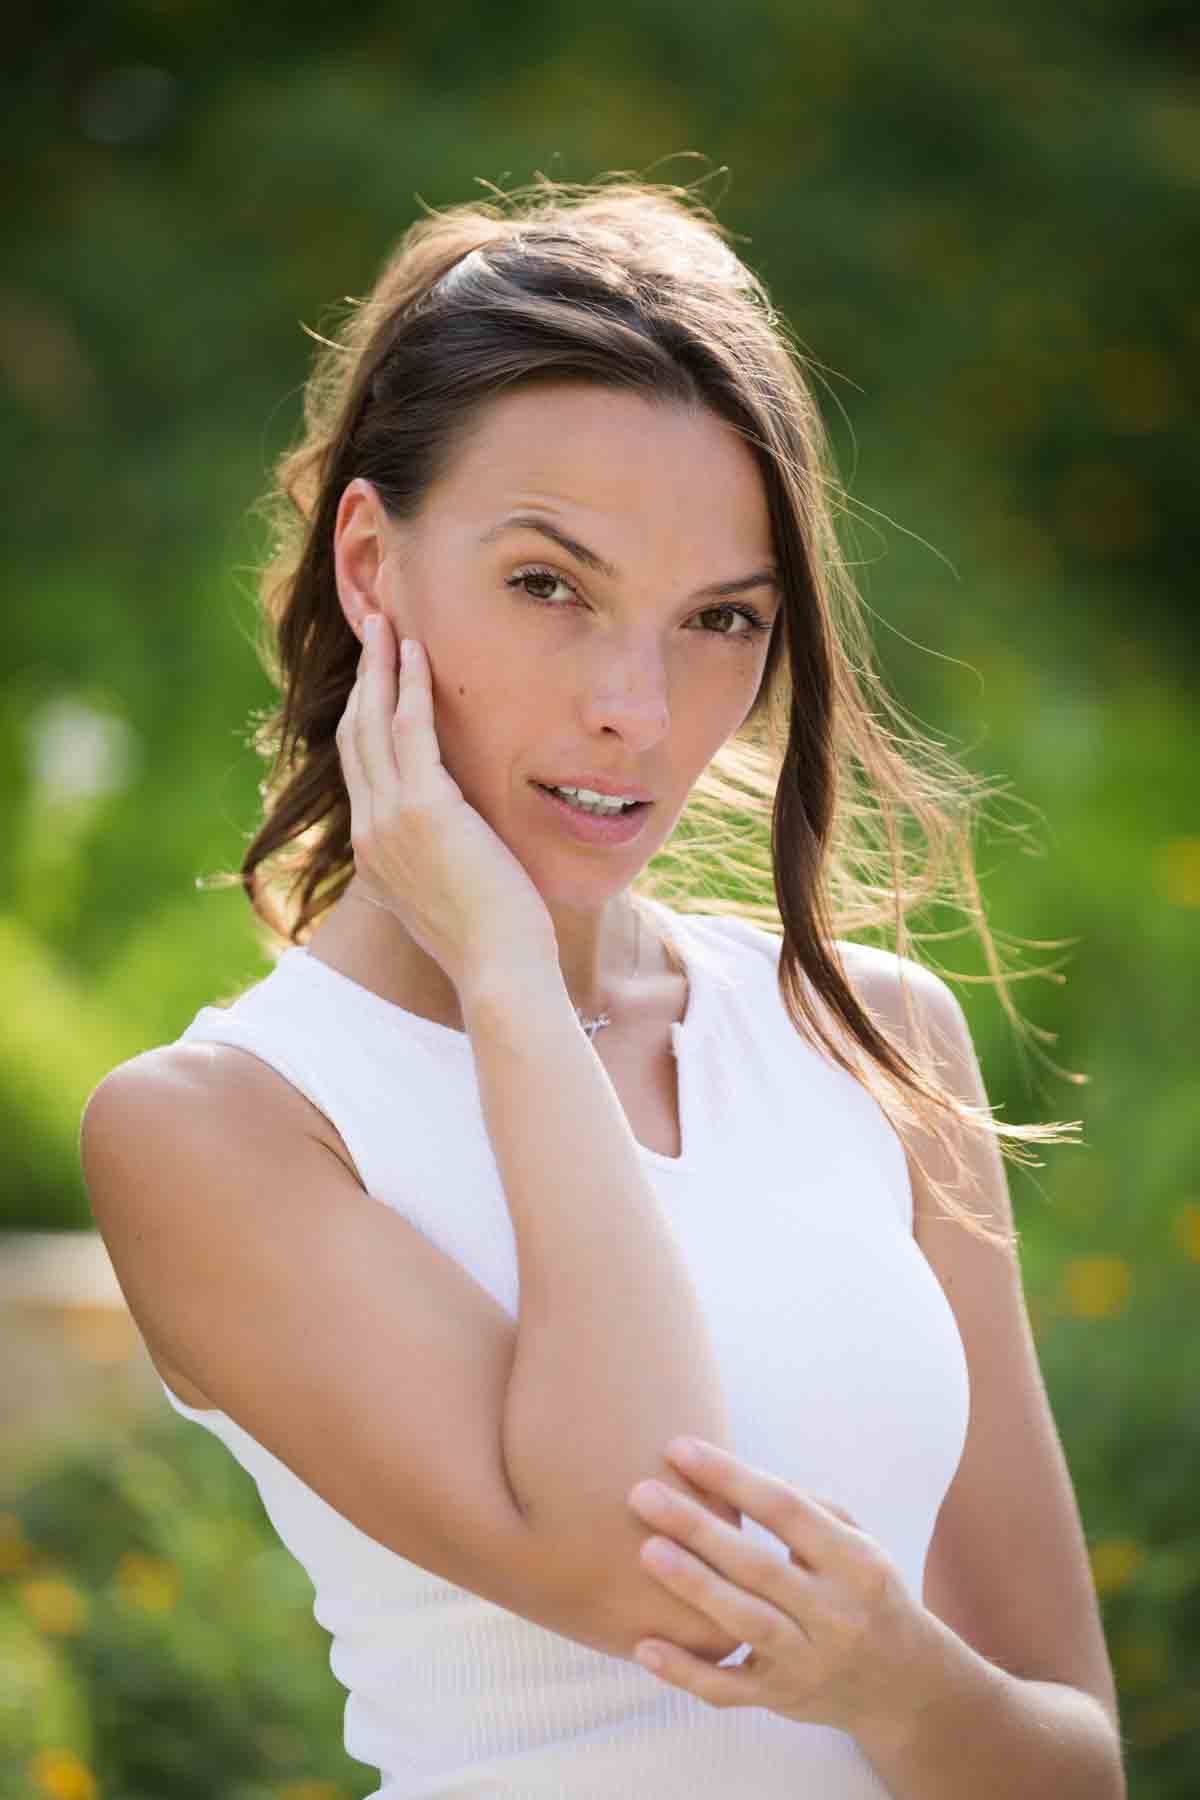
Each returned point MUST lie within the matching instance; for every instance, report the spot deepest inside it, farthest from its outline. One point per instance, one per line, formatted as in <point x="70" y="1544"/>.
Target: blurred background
<point x="980" y="221"/>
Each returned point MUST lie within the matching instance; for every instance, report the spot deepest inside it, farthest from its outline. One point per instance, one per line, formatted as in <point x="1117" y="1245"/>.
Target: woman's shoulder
<point x="896" y="987"/>
<point x="209" y="1086"/>
<point x="197" y="1076"/>
<point x="728" y="935"/>
<point x="236" y="1062"/>
<point x="893" y="984"/>
<point x="861" y="962"/>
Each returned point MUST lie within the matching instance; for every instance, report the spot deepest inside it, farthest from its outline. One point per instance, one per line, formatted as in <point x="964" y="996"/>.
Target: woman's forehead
<point x="613" y="472"/>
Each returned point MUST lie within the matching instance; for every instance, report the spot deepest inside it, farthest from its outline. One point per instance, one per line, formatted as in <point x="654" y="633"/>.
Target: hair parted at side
<point x="633" y="285"/>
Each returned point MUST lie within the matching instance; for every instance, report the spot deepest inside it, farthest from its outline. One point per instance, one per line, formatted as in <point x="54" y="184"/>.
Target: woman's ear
<point x="360" y="549"/>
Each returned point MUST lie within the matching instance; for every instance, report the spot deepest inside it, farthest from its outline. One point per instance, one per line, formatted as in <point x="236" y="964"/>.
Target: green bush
<point x="157" y="1640"/>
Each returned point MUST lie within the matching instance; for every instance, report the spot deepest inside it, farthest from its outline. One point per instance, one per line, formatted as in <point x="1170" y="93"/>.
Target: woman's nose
<point x="629" y="693"/>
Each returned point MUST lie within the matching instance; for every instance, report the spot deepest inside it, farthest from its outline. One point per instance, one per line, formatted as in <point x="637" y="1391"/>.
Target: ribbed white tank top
<point x="843" y="1369"/>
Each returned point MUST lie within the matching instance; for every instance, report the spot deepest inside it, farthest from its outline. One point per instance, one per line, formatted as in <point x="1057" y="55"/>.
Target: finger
<point x="813" y="1529"/>
<point x="377" y="704"/>
<point x="745" y="1616"/>
<point x="352" y="769"/>
<point x="413" y="723"/>
<point x="752" y="1568"/>
<point x="719" y="1687"/>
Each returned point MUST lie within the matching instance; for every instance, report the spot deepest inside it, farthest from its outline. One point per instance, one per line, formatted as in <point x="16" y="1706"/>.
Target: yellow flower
<point x="147" y="1581"/>
<point x="62" y="1776"/>
<point x="16" y="1552"/>
<point x="1115" y="1562"/>
<point x="54" y="1605"/>
<point x="1187" y="1230"/>
<point x="1177" y="871"/>
<point x="311" y="1790"/>
<point x="1096" y="1287"/>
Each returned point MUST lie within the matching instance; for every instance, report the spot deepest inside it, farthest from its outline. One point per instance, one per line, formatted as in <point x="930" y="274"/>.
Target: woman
<point x="647" y="1173"/>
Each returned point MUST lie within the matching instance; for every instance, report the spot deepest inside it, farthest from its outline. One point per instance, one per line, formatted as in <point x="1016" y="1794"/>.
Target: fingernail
<point x="650" y="1493"/>
<point x="684" y="1450"/>
<point x="370" y="628"/>
<point x="406" y="645"/>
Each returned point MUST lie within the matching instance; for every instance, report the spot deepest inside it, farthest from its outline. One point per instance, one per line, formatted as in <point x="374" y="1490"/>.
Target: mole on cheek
<point x="462" y="690"/>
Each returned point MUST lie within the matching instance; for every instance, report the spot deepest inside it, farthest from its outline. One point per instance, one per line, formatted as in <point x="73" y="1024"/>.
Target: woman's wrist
<point x="508" y="998"/>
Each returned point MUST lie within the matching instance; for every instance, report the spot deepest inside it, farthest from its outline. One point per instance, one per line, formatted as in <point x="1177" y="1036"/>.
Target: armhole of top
<point x="197" y="1413"/>
<point x="213" y="1024"/>
<point x="905" y="1198"/>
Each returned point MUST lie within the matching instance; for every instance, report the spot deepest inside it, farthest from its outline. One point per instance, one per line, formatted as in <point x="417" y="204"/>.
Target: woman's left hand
<point x="836" y="1638"/>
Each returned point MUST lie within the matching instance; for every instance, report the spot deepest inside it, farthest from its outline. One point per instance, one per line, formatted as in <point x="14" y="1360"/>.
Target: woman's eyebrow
<point x="534" y="522"/>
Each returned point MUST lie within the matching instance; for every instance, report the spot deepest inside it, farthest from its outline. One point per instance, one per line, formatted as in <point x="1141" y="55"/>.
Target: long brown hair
<point x="633" y="285"/>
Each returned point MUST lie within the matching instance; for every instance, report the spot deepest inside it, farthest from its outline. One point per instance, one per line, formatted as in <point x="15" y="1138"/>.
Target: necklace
<point x="591" y="1026"/>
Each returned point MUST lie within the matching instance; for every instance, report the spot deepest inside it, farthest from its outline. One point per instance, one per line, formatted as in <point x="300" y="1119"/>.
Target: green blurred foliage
<point x="980" y="222"/>
<point x="157" y="1638"/>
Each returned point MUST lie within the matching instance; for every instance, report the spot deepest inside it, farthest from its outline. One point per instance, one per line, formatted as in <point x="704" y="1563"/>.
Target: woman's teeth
<point x="605" y="808"/>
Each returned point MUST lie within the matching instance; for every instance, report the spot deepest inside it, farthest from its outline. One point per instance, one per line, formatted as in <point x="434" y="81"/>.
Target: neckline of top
<point x="684" y="1031"/>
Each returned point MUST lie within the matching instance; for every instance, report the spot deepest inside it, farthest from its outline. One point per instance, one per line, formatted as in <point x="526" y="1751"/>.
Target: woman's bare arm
<point x="613" y="1357"/>
<point x="371" y="1363"/>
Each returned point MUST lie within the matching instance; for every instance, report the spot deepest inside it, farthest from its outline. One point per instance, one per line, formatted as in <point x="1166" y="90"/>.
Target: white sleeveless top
<point x="842" y="1364"/>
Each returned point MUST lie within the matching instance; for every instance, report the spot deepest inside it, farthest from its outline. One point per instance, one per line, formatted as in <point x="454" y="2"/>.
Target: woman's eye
<point x="523" y="576"/>
<point x="754" y="621"/>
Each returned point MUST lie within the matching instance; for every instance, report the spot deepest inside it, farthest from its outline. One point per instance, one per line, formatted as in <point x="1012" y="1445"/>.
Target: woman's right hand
<point x="420" y="848"/>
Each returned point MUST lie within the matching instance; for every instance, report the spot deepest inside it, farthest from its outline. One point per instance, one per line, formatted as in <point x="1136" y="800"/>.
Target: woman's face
<point x="545" y="668"/>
